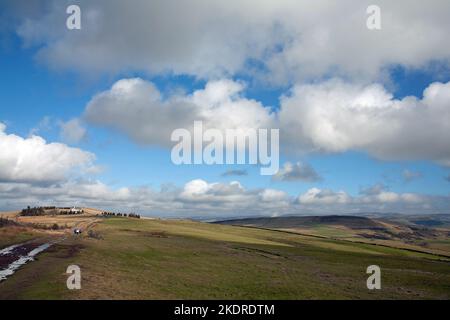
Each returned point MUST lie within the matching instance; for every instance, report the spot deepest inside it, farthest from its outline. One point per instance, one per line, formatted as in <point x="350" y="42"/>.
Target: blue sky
<point x="39" y="96"/>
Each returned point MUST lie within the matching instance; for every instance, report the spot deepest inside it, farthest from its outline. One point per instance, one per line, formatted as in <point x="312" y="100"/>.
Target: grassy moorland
<point x="429" y="234"/>
<point x="175" y="259"/>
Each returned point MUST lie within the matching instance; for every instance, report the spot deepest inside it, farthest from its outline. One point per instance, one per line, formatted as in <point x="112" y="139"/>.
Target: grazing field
<point x="176" y="259"/>
<point x="425" y="234"/>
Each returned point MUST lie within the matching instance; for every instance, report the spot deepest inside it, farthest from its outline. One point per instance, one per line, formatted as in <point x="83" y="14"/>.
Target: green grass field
<point x="171" y="259"/>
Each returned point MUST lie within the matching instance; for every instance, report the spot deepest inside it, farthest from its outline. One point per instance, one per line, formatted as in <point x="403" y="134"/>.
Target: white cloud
<point x="34" y="160"/>
<point x="318" y="196"/>
<point x="273" y="195"/>
<point x="207" y="194"/>
<point x="217" y="41"/>
<point x="297" y="172"/>
<point x="34" y="172"/>
<point x="336" y="116"/>
<point x="374" y="195"/>
<point x="333" y="116"/>
<point x="195" y="198"/>
<point x="136" y="107"/>
<point x="387" y="197"/>
<point x="199" y="198"/>
<point x="195" y="189"/>
<point x="292" y="39"/>
<point x="72" y="131"/>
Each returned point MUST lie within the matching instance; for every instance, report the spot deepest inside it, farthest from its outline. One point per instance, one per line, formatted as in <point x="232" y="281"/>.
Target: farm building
<point x="75" y="210"/>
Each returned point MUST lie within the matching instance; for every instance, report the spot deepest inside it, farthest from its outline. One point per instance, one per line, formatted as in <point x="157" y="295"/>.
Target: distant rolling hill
<point x="423" y="233"/>
<point x="352" y="222"/>
<point x="431" y="220"/>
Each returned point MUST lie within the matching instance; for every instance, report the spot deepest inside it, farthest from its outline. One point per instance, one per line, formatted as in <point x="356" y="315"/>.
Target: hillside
<point x="123" y="258"/>
<point x="294" y="222"/>
<point x="423" y="233"/>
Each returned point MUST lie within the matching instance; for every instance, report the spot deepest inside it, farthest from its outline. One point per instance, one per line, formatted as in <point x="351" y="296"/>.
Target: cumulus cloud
<point x="374" y="199"/>
<point x="226" y="40"/>
<point x="34" y="160"/>
<point x="202" y="191"/>
<point x="158" y="37"/>
<point x="136" y="108"/>
<point x="73" y="131"/>
<point x="385" y="197"/>
<point x="297" y="172"/>
<point x="332" y="116"/>
<point x="220" y="38"/>
<point x="337" y="116"/>
<point x="209" y="200"/>
<point x="34" y="172"/>
<point x="379" y="193"/>
<point x="273" y="195"/>
<point x="318" y="196"/>
<point x="231" y="196"/>
<point x="196" y="197"/>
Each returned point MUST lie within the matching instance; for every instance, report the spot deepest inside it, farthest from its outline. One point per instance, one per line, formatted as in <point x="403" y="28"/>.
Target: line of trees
<point x="119" y="214"/>
<point x="36" y="211"/>
<point x="40" y="211"/>
<point x="69" y="212"/>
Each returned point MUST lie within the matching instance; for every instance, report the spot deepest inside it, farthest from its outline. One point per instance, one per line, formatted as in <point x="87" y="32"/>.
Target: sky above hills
<point x="364" y="115"/>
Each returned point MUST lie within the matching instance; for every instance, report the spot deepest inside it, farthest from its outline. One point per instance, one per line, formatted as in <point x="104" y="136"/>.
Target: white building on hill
<point x="76" y="210"/>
